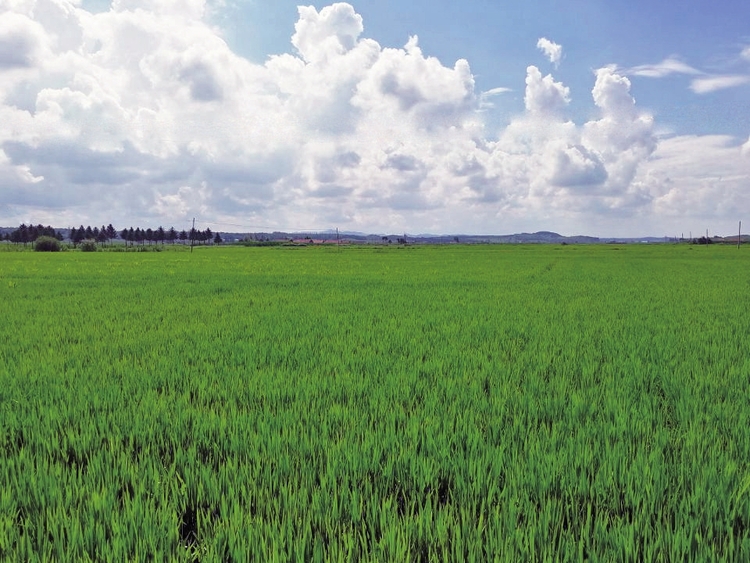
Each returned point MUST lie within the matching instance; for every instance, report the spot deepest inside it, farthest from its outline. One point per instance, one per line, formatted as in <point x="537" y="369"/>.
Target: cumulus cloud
<point x="623" y="136"/>
<point x="13" y="174"/>
<point x="144" y="114"/>
<point x="543" y="94"/>
<point x="552" y="50"/>
<point x="21" y="41"/>
<point x="331" y="32"/>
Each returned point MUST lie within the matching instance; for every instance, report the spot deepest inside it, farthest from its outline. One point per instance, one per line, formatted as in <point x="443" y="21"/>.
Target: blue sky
<point x="499" y="41"/>
<point x="266" y="114"/>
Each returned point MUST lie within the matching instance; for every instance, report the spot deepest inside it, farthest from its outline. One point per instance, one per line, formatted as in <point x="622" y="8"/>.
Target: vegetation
<point x="47" y="244"/>
<point x="25" y="234"/>
<point x="87" y="245"/>
<point x="386" y="403"/>
<point x="96" y="234"/>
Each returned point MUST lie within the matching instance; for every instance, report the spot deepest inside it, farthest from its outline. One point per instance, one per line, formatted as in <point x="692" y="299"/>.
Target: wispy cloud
<point x="485" y="98"/>
<point x="670" y="65"/>
<point x="496" y="91"/>
<point x="713" y="83"/>
<point x="703" y="83"/>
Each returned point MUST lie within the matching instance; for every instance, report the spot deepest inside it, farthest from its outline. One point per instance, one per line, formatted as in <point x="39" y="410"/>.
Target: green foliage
<point x="87" y="245"/>
<point x="457" y="403"/>
<point x="29" y="233"/>
<point x="47" y="244"/>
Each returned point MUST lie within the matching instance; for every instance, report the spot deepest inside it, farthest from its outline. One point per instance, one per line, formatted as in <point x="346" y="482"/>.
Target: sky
<point x="596" y="117"/>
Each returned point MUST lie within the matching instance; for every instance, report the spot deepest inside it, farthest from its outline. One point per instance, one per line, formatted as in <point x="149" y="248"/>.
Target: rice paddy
<point x="457" y="403"/>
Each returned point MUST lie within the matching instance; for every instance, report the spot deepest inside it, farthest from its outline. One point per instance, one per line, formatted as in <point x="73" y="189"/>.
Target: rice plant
<point x="458" y="403"/>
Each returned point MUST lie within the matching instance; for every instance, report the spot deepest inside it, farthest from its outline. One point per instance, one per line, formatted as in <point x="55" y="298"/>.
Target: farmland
<point x="376" y="404"/>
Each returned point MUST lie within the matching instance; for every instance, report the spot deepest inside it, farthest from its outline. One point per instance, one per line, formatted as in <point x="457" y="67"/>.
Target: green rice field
<point x="376" y="404"/>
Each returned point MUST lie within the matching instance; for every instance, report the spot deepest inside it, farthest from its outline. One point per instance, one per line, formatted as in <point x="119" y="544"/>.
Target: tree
<point x="20" y="235"/>
<point x="111" y="232"/>
<point x="171" y="235"/>
<point x="23" y="232"/>
<point x="160" y="234"/>
<point x="218" y="239"/>
<point x="80" y="235"/>
<point x="183" y="236"/>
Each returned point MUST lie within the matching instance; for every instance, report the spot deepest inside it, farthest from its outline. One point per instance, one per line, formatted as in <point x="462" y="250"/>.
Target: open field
<point x="477" y="403"/>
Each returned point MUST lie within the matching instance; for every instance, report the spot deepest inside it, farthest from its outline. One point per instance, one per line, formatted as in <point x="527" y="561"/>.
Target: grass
<point x="376" y="404"/>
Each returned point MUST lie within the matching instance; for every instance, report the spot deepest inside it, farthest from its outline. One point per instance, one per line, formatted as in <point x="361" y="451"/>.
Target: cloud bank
<point x="144" y="115"/>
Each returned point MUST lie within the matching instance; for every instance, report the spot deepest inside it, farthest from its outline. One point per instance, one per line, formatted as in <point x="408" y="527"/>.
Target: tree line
<point x="26" y="234"/>
<point x="29" y="233"/>
<point x="141" y="236"/>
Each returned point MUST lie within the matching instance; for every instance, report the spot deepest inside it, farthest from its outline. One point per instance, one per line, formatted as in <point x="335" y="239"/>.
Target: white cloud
<point x="701" y="177"/>
<point x="144" y="114"/>
<point x="485" y="98"/>
<point x="496" y="91"/>
<point x="184" y="201"/>
<point x="623" y="136"/>
<point x="22" y="41"/>
<point x="543" y="94"/>
<point x="704" y="83"/>
<point x="13" y="174"/>
<point x="187" y="9"/>
<point x="745" y="54"/>
<point x="552" y="50"/>
<point x="333" y="31"/>
<point x="668" y="66"/>
<point x="714" y="83"/>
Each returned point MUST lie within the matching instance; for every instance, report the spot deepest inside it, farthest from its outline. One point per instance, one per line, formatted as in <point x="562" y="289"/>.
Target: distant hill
<point x="539" y="237"/>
